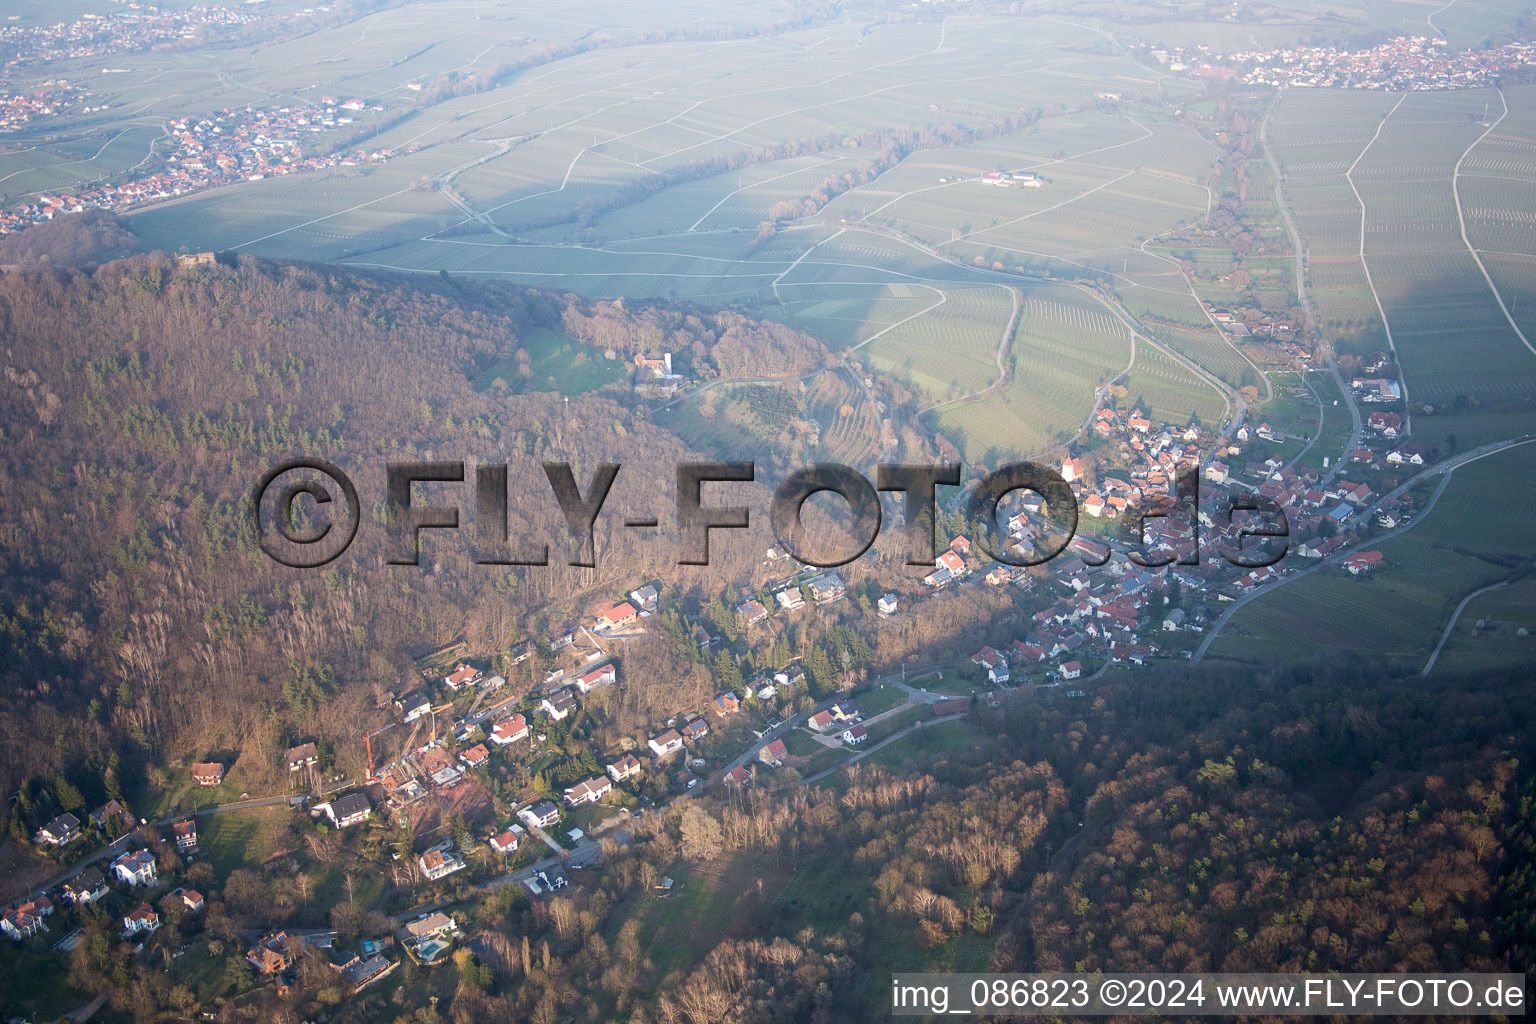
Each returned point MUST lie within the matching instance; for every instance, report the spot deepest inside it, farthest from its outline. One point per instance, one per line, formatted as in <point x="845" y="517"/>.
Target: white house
<point x="504" y="842"/>
<point x="557" y="705"/>
<point x="141" y="919"/>
<point x="588" y="791"/>
<point x="509" y="731"/>
<point x="669" y="742"/>
<point x="540" y="813"/>
<point x="626" y="767"/>
<point x="346" y="811"/>
<point x="136" y="868"/>
<point x="439" y="862"/>
<point x="59" y="831"/>
<point x="86" y="887"/>
<point x="602" y="675"/>
<point x="26" y="920"/>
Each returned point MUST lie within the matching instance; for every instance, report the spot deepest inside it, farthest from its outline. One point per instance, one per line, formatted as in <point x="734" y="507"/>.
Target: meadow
<point x="555" y="363"/>
<point x="1397" y="612"/>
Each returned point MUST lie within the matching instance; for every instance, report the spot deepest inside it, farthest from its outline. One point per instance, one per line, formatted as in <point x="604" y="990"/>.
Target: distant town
<point x="135" y="28"/>
<point x="235" y="144"/>
<point x="1403" y="64"/>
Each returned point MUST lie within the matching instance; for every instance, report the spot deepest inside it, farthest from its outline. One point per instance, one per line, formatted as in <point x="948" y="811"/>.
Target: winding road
<point x="1357" y="427"/>
<point x="1443" y="469"/>
<point x="1455" y="616"/>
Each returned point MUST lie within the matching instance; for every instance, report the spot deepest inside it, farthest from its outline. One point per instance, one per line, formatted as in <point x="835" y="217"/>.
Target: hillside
<point x="144" y="398"/>
<point x="1329" y="816"/>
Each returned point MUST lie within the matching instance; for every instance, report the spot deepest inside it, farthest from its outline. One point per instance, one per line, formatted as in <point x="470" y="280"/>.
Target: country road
<point x="1444" y="469"/>
<point x="784" y="728"/>
<point x="1434" y="655"/>
<point x="892" y="738"/>
<point x="1357" y="427"/>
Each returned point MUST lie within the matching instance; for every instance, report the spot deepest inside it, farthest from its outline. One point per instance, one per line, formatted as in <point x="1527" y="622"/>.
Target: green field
<point x="555" y="363"/>
<point x="243" y="839"/>
<point x="1487" y="635"/>
<point x="1067" y="346"/>
<point x="1431" y="303"/>
<point x="1397" y="612"/>
<point x="930" y="741"/>
<point x="37" y="981"/>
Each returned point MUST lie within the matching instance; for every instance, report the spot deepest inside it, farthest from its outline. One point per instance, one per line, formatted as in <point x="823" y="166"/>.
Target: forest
<point x="1313" y="817"/>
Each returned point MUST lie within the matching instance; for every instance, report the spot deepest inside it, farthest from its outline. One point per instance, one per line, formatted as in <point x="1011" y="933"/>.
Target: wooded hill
<point x="144" y="397"/>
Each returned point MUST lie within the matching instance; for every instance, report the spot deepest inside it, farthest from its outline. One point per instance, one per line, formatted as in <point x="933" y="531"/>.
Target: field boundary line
<point x="1366" y="266"/>
<point x="1003" y="346"/>
<point x="1205" y="376"/>
<point x="776" y="177"/>
<point x="1429" y="19"/>
<point x="943" y="298"/>
<point x="785" y="272"/>
<point x="1461" y="220"/>
<point x="1434" y="655"/>
<point x="1357" y="427"/>
<point x="317" y="220"/>
<point x="1189" y="284"/>
<point x="1048" y="209"/>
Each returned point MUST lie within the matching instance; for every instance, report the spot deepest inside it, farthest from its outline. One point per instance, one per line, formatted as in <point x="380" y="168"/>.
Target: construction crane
<point x="440" y="707"/>
<point x="410" y="741"/>
<point x="368" y="744"/>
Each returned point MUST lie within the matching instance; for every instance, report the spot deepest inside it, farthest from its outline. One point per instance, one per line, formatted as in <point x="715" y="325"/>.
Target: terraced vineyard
<point x="950" y="350"/>
<point x="850" y="426"/>
<point x="1066" y="347"/>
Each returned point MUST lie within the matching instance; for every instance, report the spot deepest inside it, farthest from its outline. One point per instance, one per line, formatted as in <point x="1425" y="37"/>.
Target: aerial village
<point x="236" y="144"/>
<point x="133" y="28"/>
<point x="1401" y="64"/>
<point x="485" y="783"/>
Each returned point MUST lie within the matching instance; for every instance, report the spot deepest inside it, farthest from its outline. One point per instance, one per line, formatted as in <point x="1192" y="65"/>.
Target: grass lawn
<point x="1504" y="613"/>
<point x="331" y="886"/>
<point x="181" y="794"/>
<point x="826" y="759"/>
<point x="938" y="682"/>
<point x="542" y="762"/>
<point x="588" y="816"/>
<point x="880" y="700"/>
<point x="802" y="744"/>
<point x="242" y="839"/>
<point x="929" y="741"/>
<point x="897" y="722"/>
<point x="555" y="363"/>
<point x="201" y="971"/>
<point x="706" y="903"/>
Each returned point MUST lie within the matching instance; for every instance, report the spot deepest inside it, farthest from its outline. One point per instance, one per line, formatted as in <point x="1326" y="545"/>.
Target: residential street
<point x="1444" y="469"/>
